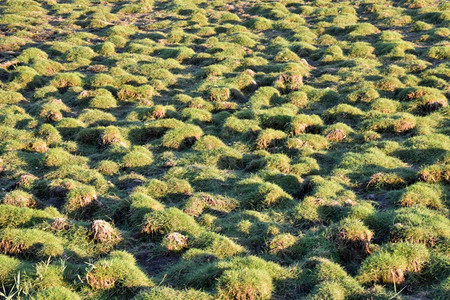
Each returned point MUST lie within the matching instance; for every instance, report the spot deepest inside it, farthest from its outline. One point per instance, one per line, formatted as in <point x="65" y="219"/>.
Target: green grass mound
<point x="245" y="284"/>
<point x="392" y="263"/>
<point x="56" y="293"/>
<point x="10" y="267"/>
<point x="170" y="220"/>
<point x="224" y="149"/>
<point x="162" y="293"/>
<point x="33" y="242"/>
<point x="420" y="225"/>
<point x="117" y="271"/>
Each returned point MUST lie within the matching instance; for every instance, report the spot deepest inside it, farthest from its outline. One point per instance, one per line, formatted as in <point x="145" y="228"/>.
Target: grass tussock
<point x="224" y="149"/>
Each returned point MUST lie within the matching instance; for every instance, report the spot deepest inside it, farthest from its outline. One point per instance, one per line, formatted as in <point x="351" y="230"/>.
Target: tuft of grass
<point x="170" y="220"/>
<point x="35" y="242"/>
<point x="81" y="201"/>
<point x="245" y="284"/>
<point x="420" y="225"/>
<point x="20" y="199"/>
<point x="184" y="136"/>
<point x="258" y="194"/>
<point x="118" y="270"/>
<point x="57" y="292"/>
<point x="424" y="194"/>
<point x="392" y="262"/>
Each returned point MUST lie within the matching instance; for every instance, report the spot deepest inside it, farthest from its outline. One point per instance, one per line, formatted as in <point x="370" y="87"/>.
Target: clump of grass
<point x="439" y="52"/>
<point x="79" y="54"/>
<point x="79" y="173"/>
<point x="305" y="123"/>
<point x="322" y="272"/>
<point x="48" y="275"/>
<point x="58" y="157"/>
<point x="103" y="99"/>
<point x="162" y="292"/>
<point x="208" y="142"/>
<point x="269" y="138"/>
<point x="31" y="54"/>
<point x="143" y="94"/>
<point x="111" y="135"/>
<point x="53" y="110"/>
<point x="19" y="198"/>
<point x="215" y="70"/>
<point x="175" y="241"/>
<point x="81" y="201"/>
<point x="95" y="116"/>
<point x="66" y="80"/>
<point x="10" y="267"/>
<point x="305" y="165"/>
<point x="219" y="245"/>
<point x="307" y="141"/>
<point x="353" y="239"/>
<point x="27" y="181"/>
<point x="107" y="49"/>
<point x="24" y="78"/>
<point x="56" y="292"/>
<point x="101" y="80"/>
<point x="196" y="115"/>
<point x="278" y="161"/>
<point x="278" y="117"/>
<point x="394" y="123"/>
<point x="362" y="29"/>
<point x="245" y="284"/>
<point x="389" y="83"/>
<point x="107" y="167"/>
<point x="170" y="220"/>
<point x="427" y="148"/>
<point x="343" y="112"/>
<point x="362" y="50"/>
<point x="30" y="242"/>
<point x="49" y="133"/>
<point x="420" y="225"/>
<point x="332" y="54"/>
<point x="429" y="103"/>
<point x="298" y="98"/>
<point x="141" y="204"/>
<point x="392" y="262"/>
<point x="286" y="55"/>
<point x="260" y="23"/>
<point x="259" y="194"/>
<point x="264" y="96"/>
<point x="424" y="194"/>
<point x="366" y="95"/>
<point x="181" y="137"/>
<point x="369" y="162"/>
<point x="327" y="40"/>
<point x="155" y="188"/>
<point x="383" y="180"/>
<point x="219" y="94"/>
<point x="138" y="157"/>
<point x="337" y="132"/>
<point x="435" y="173"/>
<point x="198" y="202"/>
<point x="102" y="232"/>
<point x="282" y="245"/>
<point x="13" y="216"/>
<point x="288" y="82"/>
<point x="118" y="270"/>
<point x="10" y="97"/>
<point x="385" y="105"/>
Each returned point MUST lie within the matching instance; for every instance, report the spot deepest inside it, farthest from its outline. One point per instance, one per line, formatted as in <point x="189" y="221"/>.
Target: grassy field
<point x="193" y="149"/>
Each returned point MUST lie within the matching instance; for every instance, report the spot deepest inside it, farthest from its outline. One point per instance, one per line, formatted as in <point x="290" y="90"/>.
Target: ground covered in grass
<point x="193" y="149"/>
